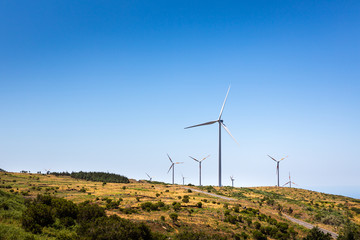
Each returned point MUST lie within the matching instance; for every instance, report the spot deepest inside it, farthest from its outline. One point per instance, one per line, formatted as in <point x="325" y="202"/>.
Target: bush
<point x="113" y="227"/>
<point x="316" y="234"/>
<point x="176" y="206"/>
<point x="186" y="199"/>
<point x="37" y="216"/>
<point x="349" y="232"/>
<point x="88" y="212"/>
<point x="199" y="205"/>
<point x="197" y="236"/>
<point x="258" y="235"/>
<point x="283" y="227"/>
<point x="230" y="219"/>
<point x="257" y="225"/>
<point x="174" y="216"/>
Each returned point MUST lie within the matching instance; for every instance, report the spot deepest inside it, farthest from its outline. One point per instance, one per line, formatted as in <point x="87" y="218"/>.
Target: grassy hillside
<point x="172" y="211"/>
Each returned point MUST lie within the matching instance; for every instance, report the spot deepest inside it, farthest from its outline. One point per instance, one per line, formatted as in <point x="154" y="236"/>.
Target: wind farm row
<point x="221" y="125"/>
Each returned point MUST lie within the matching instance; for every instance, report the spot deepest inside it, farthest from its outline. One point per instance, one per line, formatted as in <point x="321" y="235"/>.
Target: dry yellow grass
<point x="209" y="218"/>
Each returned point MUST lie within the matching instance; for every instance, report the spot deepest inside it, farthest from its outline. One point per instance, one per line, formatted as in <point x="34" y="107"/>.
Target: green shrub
<point x="197" y="236"/>
<point x="258" y="235"/>
<point x="199" y="205"/>
<point x="174" y="216"/>
<point x="186" y="199"/>
<point x="316" y="234"/>
<point x="37" y="216"/>
<point x="283" y="227"/>
<point x="176" y="206"/>
<point x="230" y="219"/>
<point x="257" y="225"/>
<point x="113" y="227"/>
<point x="88" y="212"/>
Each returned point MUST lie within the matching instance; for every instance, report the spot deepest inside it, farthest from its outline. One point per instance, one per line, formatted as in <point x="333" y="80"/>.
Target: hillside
<point x="256" y="213"/>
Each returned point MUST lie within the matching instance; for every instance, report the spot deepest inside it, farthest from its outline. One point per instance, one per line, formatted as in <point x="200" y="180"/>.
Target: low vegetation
<point x="95" y="176"/>
<point x="36" y="206"/>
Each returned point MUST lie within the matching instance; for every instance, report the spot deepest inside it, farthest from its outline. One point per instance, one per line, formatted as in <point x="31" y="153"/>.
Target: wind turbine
<point x="221" y="123"/>
<point x="232" y="180"/>
<point x="289" y="182"/>
<point x="277" y="167"/>
<point x="183" y="178"/>
<point x="149" y="177"/>
<point x="173" y="167"/>
<point x="199" y="161"/>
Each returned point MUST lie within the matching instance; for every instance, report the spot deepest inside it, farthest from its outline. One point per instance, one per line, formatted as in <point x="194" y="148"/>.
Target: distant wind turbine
<point x="232" y="180"/>
<point x="183" y="178"/>
<point x="289" y="182"/>
<point x="199" y="161"/>
<point x="221" y="123"/>
<point x="149" y="177"/>
<point x="277" y="167"/>
<point x="173" y="167"/>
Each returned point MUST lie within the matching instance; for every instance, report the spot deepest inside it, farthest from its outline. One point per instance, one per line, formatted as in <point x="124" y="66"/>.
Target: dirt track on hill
<point x="294" y="220"/>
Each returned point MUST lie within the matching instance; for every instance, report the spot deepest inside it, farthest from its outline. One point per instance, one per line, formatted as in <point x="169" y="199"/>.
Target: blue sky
<point x="110" y="86"/>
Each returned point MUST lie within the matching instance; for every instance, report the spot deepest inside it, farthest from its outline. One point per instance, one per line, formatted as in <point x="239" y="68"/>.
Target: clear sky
<point x="110" y="86"/>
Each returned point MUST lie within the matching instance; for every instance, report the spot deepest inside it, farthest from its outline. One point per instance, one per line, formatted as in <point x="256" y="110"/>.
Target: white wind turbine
<point x="173" y="167"/>
<point x="183" y="178"/>
<point x="232" y="181"/>
<point x="199" y="161"/>
<point x="289" y="182"/>
<point x="277" y="167"/>
<point x="149" y="177"/>
<point x="221" y="123"/>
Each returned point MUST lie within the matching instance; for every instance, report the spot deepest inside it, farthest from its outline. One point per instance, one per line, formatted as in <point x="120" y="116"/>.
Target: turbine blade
<point x="169" y="158"/>
<point x="229" y="132"/>
<point x="222" y="108"/>
<point x="204" y="158"/>
<point x="285" y="184"/>
<point x="203" y="124"/>
<point x="148" y="175"/>
<point x="179" y="162"/>
<point x="272" y="158"/>
<point x="170" y="167"/>
<point x="194" y="158"/>
<point x="283" y="158"/>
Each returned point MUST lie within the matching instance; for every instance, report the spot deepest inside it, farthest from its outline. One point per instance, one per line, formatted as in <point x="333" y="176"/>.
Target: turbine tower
<point x="277" y="168"/>
<point x="289" y="182"/>
<point x="173" y="167"/>
<point x="149" y="177"/>
<point x="232" y="180"/>
<point x="221" y="123"/>
<point x="199" y="161"/>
